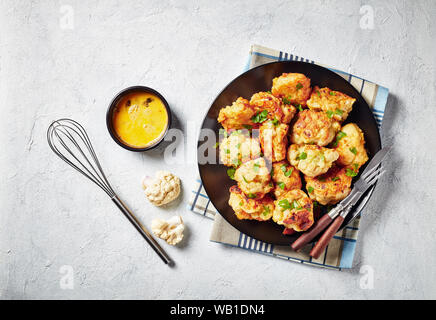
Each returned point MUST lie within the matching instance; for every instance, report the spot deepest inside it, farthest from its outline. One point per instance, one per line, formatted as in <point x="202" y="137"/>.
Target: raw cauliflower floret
<point x="238" y="115"/>
<point x="164" y="188"/>
<point x="335" y="104"/>
<point x="238" y="148"/>
<point x="294" y="87"/>
<point x="251" y="209"/>
<point x="254" y="178"/>
<point x="351" y="146"/>
<point x="170" y="230"/>
<point x="311" y="160"/>
<point x="314" y="127"/>
<point x="274" y="140"/>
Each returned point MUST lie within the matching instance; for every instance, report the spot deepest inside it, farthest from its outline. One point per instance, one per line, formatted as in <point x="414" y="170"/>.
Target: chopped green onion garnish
<point x="335" y="179"/>
<point x="251" y="195"/>
<point x="329" y="114"/>
<point x="310" y="189"/>
<point x="350" y="173"/>
<point x="275" y="122"/>
<point x="332" y="93"/>
<point x="283" y="167"/>
<point x="289" y="172"/>
<point x="285" y="204"/>
<point x="318" y="93"/>
<point x="295" y="205"/>
<point x="246" y="181"/>
<point x="302" y="156"/>
<point x="266" y="210"/>
<point x="353" y="150"/>
<point x="241" y="203"/>
<point x="339" y="136"/>
<point x="339" y="112"/>
<point x="216" y="145"/>
<point x="299" y="86"/>
<point x="260" y="117"/>
<point x="223" y="132"/>
<point x="236" y="162"/>
<point x="287" y="100"/>
<point x="299" y="107"/>
<point x="227" y="151"/>
<point x="231" y="173"/>
<point x="281" y="185"/>
<point x="247" y="126"/>
<point x="256" y="167"/>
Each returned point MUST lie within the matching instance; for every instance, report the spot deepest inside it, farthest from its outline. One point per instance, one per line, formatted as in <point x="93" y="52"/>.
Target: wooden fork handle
<point x="326" y="237"/>
<point x="316" y="229"/>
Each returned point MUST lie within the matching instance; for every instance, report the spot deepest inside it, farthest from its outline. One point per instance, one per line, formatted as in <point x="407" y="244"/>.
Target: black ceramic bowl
<point x="214" y="176"/>
<point x="114" y="103"/>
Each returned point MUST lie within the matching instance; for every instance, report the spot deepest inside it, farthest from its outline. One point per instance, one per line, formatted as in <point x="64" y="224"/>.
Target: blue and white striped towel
<point x="340" y="252"/>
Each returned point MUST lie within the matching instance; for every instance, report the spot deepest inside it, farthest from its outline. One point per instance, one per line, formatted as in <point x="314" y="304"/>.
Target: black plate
<point x="214" y="176"/>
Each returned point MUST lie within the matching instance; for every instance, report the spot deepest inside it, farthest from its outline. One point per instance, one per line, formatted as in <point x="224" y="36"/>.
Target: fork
<point x="360" y="187"/>
<point x="368" y="178"/>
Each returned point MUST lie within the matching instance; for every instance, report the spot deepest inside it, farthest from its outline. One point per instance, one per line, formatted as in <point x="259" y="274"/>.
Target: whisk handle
<point x="142" y="230"/>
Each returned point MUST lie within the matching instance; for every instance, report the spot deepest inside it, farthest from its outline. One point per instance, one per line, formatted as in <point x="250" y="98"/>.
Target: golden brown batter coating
<point x="294" y="209"/>
<point x="335" y="104"/>
<point x="285" y="177"/>
<point x="237" y="116"/>
<point x="314" y="127"/>
<point x="274" y="106"/>
<point x="254" y="178"/>
<point x="311" y="160"/>
<point x="294" y="87"/>
<point x="252" y="209"/>
<point x="238" y="148"/>
<point x="329" y="188"/>
<point x="351" y="146"/>
<point x="274" y="140"/>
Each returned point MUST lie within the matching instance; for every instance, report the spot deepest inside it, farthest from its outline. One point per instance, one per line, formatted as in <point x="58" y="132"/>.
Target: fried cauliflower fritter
<point x="295" y="87"/>
<point x="314" y="127"/>
<point x="274" y="140"/>
<point x="274" y="106"/>
<point x="335" y="104"/>
<point x="311" y="160"/>
<point x="237" y="115"/>
<point x="254" y="178"/>
<point x="253" y="209"/>
<point x="285" y="177"/>
<point x="351" y="147"/>
<point x="238" y="148"/>
<point x="294" y="209"/>
<point x="329" y="188"/>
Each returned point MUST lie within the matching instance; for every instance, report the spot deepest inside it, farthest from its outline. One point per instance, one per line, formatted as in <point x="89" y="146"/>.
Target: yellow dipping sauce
<point x="140" y="119"/>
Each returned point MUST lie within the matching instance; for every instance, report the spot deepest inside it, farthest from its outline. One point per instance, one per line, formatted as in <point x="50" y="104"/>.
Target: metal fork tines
<point x="369" y="178"/>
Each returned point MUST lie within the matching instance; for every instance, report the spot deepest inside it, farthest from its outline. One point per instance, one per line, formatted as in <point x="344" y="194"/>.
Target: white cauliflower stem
<point x="162" y="189"/>
<point x="170" y="230"/>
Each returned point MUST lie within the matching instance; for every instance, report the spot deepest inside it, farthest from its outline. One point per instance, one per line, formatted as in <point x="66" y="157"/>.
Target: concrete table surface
<point x="61" y="237"/>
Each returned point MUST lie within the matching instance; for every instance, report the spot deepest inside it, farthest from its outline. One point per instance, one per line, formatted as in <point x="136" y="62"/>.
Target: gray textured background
<point x="188" y="50"/>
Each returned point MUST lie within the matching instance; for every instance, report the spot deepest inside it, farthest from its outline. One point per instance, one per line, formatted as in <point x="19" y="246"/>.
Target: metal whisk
<point x="69" y="140"/>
